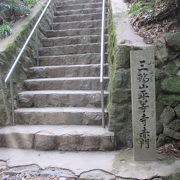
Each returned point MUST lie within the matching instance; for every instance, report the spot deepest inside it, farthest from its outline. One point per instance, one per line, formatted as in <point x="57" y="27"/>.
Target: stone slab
<point x="63" y="138"/>
<point x="143" y="103"/>
<point x="124" y="30"/>
<point x="119" y="163"/>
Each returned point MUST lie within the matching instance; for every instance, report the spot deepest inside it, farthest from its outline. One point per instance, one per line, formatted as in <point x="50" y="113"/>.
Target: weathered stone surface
<point x="120" y="95"/>
<point x="169" y="99"/>
<point x="92" y="58"/>
<point x="61" y="98"/>
<point x="73" y="32"/>
<point x="63" y="173"/>
<point x="160" y="74"/>
<point x="174" y="176"/>
<point x="123" y="57"/>
<point x="167" y="115"/>
<point x="177" y="110"/>
<point x="59" y="116"/>
<point x="161" y="52"/>
<point x="173" y="41"/>
<point x="29" y="169"/>
<point x="70" y="83"/>
<point x="69" y="40"/>
<point x="79" y="6"/>
<point x="171" y="133"/>
<point x="3" y="105"/>
<point x="97" y="175"/>
<point x="64" y="138"/>
<point x="77" y="2"/>
<point x="121" y="79"/>
<point x="143" y="104"/>
<point x="44" y="141"/>
<point x="171" y="68"/>
<point x="16" y="140"/>
<point x="79" y="17"/>
<point x="171" y="84"/>
<point x="2" y="165"/>
<point x="77" y="25"/>
<point x="91" y="70"/>
<point x="159" y="127"/>
<point x="78" y="11"/>
<point x="175" y="125"/>
<point x="70" y="49"/>
<point x="161" y="140"/>
<point x="120" y="117"/>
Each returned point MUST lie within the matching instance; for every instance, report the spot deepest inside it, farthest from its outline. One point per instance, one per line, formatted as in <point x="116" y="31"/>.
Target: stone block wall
<point x="28" y="59"/>
<point x="167" y="59"/>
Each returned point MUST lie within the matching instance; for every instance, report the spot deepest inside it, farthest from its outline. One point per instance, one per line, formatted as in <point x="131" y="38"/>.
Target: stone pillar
<point x="143" y="103"/>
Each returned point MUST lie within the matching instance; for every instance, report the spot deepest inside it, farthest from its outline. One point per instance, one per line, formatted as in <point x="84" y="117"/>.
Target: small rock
<point x="161" y="52"/>
<point x="97" y="175"/>
<point x="161" y="140"/>
<point x="171" y="133"/>
<point x="177" y="110"/>
<point x="171" y="84"/>
<point x="171" y="68"/>
<point x="175" y="125"/>
<point x="167" y="115"/>
<point x="173" y="41"/>
<point x="58" y="172"/>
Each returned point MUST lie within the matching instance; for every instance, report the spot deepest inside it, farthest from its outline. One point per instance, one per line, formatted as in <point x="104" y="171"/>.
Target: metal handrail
<point x="102" y="61"/>
<point x="26" y="43"/>
<point x="9" y="76"/>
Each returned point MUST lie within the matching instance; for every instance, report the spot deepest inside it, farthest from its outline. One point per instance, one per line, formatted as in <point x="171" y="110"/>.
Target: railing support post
<point x="102" y="105"/>
<point x="12" y="100"/>
<point x="37" y="48"/>
<point x="102" y="62"/>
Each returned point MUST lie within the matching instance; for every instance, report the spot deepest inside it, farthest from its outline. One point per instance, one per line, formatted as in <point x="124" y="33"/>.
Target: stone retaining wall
<point x="28" y="59"/>
<point x="167" y="59"/>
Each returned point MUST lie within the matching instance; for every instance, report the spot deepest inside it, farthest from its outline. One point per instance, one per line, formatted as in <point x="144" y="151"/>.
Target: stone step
<point x="68" y="40"/>
<point x="67" y="71"/>
<point x="69" y="2"/>
<point x="72" y="59"/>
<point x="63" y="138"/>
<point x="58" y="116"/>
<point x="78" y="6"/>
<point x="79" y="11"/>
<point x="70" y="49"/>
<point x="61" y="98"/>
<point x="78" y="17"/>
<point x="73" y="32"/>
<point x="76" y="25"/>
<point x="75" y="83"/>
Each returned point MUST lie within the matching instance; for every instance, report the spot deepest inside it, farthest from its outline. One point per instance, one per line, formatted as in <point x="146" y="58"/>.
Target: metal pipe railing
<point x="10" y="73"/>
<point x="102" y="61"/>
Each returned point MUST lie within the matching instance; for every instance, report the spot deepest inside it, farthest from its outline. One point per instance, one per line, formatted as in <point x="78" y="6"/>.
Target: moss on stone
<point x="171" y="100"/>
<point x="171" y="68"/>
<point x="171" y="84"/>
<point x="177" y="110"/>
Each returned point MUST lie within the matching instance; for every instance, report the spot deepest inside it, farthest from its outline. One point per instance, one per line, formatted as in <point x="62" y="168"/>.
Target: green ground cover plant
<point x="11" y="11"/>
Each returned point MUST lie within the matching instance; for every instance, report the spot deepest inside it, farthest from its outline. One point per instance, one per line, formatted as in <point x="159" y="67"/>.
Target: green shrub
<point x="147" y="6"/>
<point x="30" y="1"/>
<point x="12" y="10"/>
<point x="5" y="30"/>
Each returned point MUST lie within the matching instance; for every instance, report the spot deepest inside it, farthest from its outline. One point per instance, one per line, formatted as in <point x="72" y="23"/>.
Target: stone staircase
<point x="61" y="108"/>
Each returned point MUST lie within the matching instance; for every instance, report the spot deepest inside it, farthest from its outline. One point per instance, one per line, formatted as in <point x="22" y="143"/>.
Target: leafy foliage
<point x="11" y="11"/>
<point x="30" y="1"/>
<point x="5" y="30"/>
<point x="147" y="6"/>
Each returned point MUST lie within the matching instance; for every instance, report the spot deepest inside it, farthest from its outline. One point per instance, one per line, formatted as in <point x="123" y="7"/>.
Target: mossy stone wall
<point x="167" y="59"/>
<point x="28" y="59"/>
